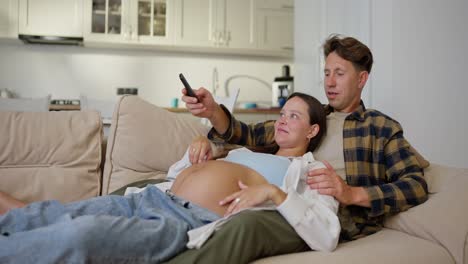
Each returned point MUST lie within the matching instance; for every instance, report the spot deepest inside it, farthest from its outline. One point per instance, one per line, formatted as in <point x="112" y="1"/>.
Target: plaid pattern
<point x="377" y="157"/>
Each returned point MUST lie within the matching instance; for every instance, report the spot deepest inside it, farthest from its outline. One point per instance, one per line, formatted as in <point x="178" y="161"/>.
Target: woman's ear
<point x="314" y="129"/>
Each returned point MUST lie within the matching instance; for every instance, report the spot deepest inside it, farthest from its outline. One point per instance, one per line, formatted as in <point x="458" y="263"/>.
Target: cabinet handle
<point x="287" y="48"/>
<point x="214" y="36"/>
<point x="228" y="38"/>
<point x="217" y="39"/>
<point x="221" y="41"/>
<point x="287" y="6"/>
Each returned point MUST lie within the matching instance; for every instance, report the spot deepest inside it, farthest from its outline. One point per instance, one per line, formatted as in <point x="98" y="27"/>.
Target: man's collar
<point x="358" y="114"/>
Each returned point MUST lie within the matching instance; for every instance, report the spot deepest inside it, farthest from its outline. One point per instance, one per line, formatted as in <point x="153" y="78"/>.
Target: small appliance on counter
<point x="282" y="87"/>
<point x="64" y="104"/>
<point x="5" y="93"/>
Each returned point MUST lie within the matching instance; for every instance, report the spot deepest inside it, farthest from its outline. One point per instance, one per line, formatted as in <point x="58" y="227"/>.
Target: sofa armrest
<point x="443" y="218"/>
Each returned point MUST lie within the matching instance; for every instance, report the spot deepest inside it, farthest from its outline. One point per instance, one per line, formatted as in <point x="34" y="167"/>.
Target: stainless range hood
<point x="55" y="22"/>
<point x="51" y="40"/>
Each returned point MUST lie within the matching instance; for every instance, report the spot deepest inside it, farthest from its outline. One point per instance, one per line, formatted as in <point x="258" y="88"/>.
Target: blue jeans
<point x="147" y="227"/>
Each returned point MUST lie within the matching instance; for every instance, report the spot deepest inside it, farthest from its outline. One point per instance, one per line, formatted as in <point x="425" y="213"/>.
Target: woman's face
<point x="292" y="128"/>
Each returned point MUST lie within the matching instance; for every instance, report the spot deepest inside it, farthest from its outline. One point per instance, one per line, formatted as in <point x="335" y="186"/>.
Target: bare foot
<point x="7" y="203"/>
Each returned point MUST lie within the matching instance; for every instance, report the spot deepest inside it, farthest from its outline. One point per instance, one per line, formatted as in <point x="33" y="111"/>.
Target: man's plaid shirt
<point x="377" y="157"/>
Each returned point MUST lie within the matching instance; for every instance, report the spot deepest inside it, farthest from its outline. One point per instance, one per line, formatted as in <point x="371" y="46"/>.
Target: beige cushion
<point x="442" y="219"/>
<point x="144" y="141"/>
<point x="441" y="178"/>
<point x="50" y="155"/>
<point x="385" y="247"/>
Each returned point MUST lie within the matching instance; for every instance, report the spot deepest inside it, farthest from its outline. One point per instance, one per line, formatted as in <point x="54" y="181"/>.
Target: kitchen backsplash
<point x="68" y="72"/>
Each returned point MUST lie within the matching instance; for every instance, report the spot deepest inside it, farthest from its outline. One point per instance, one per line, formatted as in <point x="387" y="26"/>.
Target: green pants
<point x="249" y="236"/>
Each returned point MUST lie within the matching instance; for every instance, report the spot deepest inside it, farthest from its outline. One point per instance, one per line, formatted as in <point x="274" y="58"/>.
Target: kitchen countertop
<point x="63" y="107"/>
<point x="236" y="110"/>
<point x="54" y="107"/>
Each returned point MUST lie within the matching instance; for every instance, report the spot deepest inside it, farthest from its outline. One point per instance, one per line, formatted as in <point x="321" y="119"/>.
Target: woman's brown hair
<point x="317" y="116"/>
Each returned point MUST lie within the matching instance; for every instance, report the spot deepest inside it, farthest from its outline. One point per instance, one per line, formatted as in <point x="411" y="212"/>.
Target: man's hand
<point x="251" y="196"/>
<point x="204" y="107"/>
<point x="200" y="150"/>
<point x="327" y="182"/>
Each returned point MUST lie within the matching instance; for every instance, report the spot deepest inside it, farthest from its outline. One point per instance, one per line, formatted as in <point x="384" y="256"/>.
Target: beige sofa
<point x="145" y="140"/>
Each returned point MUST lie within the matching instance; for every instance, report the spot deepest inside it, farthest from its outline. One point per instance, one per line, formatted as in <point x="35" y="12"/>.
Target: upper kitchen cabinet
<point x="129" y="21"/>
<point x="255" y="27"/>
<point x="194" y="25"/>
<point x="9" y="19"/>
<point x="152" y="21"/>
<point x="62" y="18"/>
<point x="107" y="21"/>
<point x="215" y="23"/>
<point x="237" y="27"/>
<point x="275" y="25"/>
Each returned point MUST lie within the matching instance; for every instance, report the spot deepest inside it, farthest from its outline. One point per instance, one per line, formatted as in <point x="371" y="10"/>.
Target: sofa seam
<point x="109" y="152"/>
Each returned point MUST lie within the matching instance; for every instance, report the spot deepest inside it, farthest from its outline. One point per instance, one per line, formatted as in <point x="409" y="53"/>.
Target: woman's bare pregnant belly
<point x="208" y="183"/>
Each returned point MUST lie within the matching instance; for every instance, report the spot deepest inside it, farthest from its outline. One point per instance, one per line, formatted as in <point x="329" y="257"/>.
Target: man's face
<point x="343" y="83"/>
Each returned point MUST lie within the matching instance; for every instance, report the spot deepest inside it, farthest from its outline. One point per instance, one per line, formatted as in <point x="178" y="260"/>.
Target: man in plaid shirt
<point x="370" y="170"/>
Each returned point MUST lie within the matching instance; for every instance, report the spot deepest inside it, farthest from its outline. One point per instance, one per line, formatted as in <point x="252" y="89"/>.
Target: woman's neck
<point x="291" y="152"/>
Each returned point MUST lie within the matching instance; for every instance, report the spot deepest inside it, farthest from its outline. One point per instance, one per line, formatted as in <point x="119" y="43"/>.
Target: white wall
<point x="418" y="76"/>
<point x="428" y="94"/>
<point x="68" y="72"/>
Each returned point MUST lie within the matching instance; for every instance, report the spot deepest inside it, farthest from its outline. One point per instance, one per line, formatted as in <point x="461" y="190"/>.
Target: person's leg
<point x="97" y="239"/>
<point x="44" y="213"/>
<point x="156" y="233"/>
<point x="7" y="203"/>
<point x="249" y="236"/>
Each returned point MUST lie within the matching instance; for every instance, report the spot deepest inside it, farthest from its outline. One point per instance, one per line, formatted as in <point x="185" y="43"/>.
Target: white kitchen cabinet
<point x="275" y="24"/>
<point x="152" y="21"/>
<point x="215" y="23"/>
<point x="195" y="23"/>
<point x="129" y="21"/>
<point x="259" y="27"/>
<point x="62" y="18"/>
<point x="9" y="19"/>
<point x="107" y="21"/>
<point x="239" y="24"/>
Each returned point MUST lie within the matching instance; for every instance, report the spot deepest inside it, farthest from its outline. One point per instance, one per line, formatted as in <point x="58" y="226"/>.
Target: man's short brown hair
<point x="351" y="50"/>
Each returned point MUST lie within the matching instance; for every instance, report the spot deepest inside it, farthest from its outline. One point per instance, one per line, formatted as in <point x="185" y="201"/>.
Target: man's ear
<point x="314" y="129"/>
<point x="363" y="77"/>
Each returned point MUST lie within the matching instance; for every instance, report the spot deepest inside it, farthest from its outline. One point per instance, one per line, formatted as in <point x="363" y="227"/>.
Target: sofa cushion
<point x="50" y="155"/>
<point x="443" y="218"/>
<point x="144" y="141"/>
<point x="385" y="247"/>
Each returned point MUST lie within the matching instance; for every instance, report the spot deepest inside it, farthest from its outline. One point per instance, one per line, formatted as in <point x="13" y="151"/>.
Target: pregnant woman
<point x="151" y="226"/>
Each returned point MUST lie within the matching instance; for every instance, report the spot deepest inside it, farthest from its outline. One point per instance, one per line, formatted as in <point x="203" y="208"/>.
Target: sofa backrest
<point x="50" y="155"/>
<point x="144" y="141"/>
